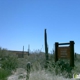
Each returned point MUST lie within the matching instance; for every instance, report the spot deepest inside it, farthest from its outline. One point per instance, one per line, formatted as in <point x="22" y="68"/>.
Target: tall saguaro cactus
<point x="46" y="48"/>
<point x="28" y="50"/>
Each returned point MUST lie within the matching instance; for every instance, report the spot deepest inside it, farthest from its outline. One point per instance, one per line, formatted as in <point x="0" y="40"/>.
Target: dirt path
<point x="20" y="74"/>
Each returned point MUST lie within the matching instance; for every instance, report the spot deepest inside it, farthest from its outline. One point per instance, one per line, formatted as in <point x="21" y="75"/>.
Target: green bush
<point x="4" y="73"/>
<point x="9" y="63"/>
<point x="61" y="67"/>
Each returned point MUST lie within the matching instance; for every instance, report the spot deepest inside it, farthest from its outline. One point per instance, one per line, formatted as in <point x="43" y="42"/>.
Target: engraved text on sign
<point x="64" y="52"/>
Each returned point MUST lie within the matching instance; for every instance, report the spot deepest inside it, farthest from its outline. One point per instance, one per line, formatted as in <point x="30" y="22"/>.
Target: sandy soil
<point x="20" y="74"/>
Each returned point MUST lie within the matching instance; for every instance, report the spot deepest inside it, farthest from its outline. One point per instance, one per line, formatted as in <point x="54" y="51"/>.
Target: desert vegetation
<point x="54" y="71"/>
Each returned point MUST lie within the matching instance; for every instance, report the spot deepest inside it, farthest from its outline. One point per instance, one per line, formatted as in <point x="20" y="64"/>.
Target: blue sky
<point x="22" y="22"/>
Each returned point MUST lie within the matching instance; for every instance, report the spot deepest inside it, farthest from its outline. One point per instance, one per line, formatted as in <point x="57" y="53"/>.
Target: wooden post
<point x="56" y="51"/>
<point x="72" y="53"/>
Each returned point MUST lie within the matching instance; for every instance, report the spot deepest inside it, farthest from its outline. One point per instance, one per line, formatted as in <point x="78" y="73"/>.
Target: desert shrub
<point x="4" y="73"/>
<point x="9" y="63"/>
<point x="3" y="53"/>
<point x="61" y="67"/>
<point x="36" y="59"/>
<point x="8" y="60"/>
<point x="45" y="75"/>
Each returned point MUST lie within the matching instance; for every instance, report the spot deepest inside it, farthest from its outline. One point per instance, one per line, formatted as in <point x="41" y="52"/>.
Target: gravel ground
<point x="20" y="74"/>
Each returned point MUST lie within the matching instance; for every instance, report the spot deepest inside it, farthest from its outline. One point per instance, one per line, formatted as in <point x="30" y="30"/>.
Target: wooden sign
<point x="64" y="52"/>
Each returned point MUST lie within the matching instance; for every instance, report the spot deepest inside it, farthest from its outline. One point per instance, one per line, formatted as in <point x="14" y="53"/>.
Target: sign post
<point x="66" y="52"/>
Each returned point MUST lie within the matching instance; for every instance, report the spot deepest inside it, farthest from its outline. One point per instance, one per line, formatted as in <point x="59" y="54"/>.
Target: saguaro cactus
<point x="28" y="49"/>
<point x="46" y="48"/>
<point x="28" y="70"/>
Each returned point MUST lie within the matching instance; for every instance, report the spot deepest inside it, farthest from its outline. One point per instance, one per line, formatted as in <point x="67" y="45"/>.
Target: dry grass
<point x="39" y="75"/>
<point x="42" y="75"/>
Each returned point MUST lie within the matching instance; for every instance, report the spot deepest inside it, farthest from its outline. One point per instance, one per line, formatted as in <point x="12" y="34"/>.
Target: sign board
<point x="64" y="52"/>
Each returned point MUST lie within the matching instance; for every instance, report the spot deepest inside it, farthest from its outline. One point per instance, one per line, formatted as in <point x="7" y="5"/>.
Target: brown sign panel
<point x="64" y="52"/>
